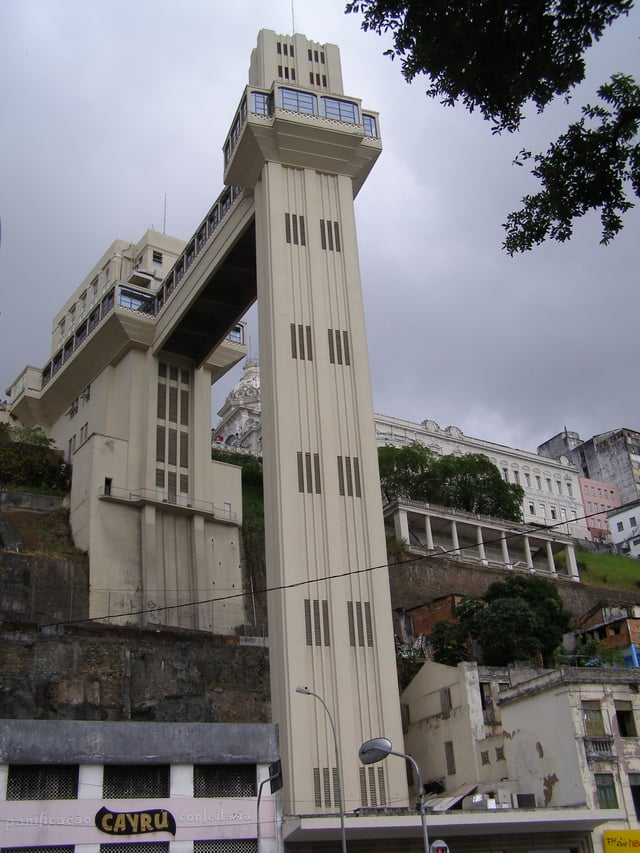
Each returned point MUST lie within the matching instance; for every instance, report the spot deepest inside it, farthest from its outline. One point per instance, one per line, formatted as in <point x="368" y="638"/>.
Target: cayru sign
<point x="36" y="823"/>
<point x="135" y="823"/>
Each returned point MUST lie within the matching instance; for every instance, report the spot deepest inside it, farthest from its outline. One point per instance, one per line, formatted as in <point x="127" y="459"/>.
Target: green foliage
<point x="492" y="56"/>
<point x="403" y="470"/>
<point x="396" y="549"/>
<point x="520" y="618"/>
<point x="587" y="168"/>
<point x="471" y="482"/>
<point x="28" y="461"/>
<point x="549" y="618"/>
<point x="474" y="484"/>
<point x="449" y="643"/>
<point x="499" y="56"/>
<point x="603" y="569"/>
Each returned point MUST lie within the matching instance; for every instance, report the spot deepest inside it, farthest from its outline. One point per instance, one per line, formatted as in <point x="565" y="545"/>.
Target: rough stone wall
<point x="99" y="672"/>
<point x="42" y="589"/>
<point x="415" y="583"/>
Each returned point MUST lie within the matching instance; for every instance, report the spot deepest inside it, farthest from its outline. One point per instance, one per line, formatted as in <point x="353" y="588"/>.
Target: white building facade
<point x="551" y="489"/>
<point x="624" y="528"/>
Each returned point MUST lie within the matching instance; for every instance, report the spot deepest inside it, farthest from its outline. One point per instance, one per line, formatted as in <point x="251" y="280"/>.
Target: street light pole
<point x="306" y="692"/>
<point x="378" y="748"/>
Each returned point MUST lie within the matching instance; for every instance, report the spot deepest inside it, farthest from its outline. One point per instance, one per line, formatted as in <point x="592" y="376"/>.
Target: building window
<point x="123" y="781"/>
<point x="619" y="526"/>
<point x="527" y="480"/>
<point x="606" y="791"/>
<point x="224" y="780"/>
<point x="330" y="235"/>
<point x="140" y="847"/>
<point x="340" y="110"/>
<point x="505" y="475"/>
<point x="532" y="508"/>
<point x="445" y="702"/>
<point x="369" y="124"/>
<point x="301" y="346"/>
<point x="349" y="476"/>
<point x="42" y="782"/>
<point x="309" y="473"/>
<point x="593" y="720"/>
<point x="548" y="482"/>
<point x="632" y="521"/>
<point x="570" y="490"/>
<point x="294" y="231"/>
<point x="499" y="753"/>
<point x="298" y="101"/>
<point x="360" y="624"/>
<point x="58" y="848"/>
<point x="634" y="784"/>
<point x="339" y="350"/>
<point x="316" y="622"/>
<point x="156" y="257"/>
<point x="484" y="757"/>
<point x="261" y="103"/>
<point x="625" y="719"/>
<point x="449" y="756"/>
<point x="554" y="513"/>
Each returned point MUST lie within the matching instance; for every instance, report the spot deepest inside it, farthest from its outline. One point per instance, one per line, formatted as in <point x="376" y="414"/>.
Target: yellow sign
<point x="623" y="839"/>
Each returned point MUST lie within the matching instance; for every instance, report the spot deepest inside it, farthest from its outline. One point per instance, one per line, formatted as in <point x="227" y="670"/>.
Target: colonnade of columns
<point x="494" y="535"/>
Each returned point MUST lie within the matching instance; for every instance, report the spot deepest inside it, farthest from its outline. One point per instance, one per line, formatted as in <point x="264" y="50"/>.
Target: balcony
<point x="181" y="504"/>
<point x="600" y="749"/>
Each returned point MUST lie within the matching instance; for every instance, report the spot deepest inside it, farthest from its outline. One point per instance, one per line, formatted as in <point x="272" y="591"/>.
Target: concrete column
<point x="427" y="530"/>
<point x="151" y="572"/>
<point x="454" y="536"/>
<point x="505" y="551"/>
<point x="550" y="560"/>
<point x="481" y="552"/>
<point x="401" y="525"/>
<point x="527" y="552"/>
<point x="572" y="565"/>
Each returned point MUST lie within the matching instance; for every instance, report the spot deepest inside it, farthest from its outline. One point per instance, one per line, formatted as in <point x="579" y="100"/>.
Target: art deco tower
<point x="305" y="149"/>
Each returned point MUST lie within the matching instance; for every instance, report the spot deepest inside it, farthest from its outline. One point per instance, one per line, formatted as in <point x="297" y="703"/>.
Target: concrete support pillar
<point x="401" y="526"/>
<point x="481" y="552"/>
<point x="550" y="560"/>
<point x="505" y="551"/>
<point x="151" y="572"/>
<point x="572" y="565"/>
<point x="527" y="552"/>
<point x="454" y="536"/>
<point x="428" y="532"/>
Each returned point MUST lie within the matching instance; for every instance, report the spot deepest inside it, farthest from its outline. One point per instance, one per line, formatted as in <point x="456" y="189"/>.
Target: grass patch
<point x="45" y="533"/>
<point x="599" y="569"/>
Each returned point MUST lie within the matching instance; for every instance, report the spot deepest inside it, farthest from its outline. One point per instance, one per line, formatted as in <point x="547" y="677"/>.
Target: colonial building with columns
<point x="551" y="488"/>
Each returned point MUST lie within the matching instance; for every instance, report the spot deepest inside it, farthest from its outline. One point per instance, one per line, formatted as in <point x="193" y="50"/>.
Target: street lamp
<point x="378" y="748"/>
<point x="306" y="692"/>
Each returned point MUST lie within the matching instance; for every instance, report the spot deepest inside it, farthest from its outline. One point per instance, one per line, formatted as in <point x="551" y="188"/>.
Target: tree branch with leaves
<point x="497" y="57"/>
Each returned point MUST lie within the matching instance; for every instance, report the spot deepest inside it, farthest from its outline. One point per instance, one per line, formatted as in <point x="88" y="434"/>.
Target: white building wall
<point x="551" y="489"/>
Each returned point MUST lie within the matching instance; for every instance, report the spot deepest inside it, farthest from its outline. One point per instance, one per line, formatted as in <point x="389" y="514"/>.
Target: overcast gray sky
<point x="108" y="106"/>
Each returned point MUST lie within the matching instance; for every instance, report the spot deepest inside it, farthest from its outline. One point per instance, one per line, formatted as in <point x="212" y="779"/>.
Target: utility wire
<point x="529" y="529"/>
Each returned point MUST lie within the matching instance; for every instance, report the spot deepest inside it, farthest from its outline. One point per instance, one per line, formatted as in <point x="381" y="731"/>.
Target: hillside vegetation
<point x="608" y="570"/>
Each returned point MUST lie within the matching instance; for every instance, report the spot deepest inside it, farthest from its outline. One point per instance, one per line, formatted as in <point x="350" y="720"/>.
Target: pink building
<point x="598" y="498"/>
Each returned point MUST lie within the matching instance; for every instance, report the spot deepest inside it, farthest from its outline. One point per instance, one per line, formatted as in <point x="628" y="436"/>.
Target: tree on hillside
<point x="474" y="484"/>
<point x="471" y="483"/>
<point x="403" y="470"/>
<point x="499" y="56"/>
<point x="521" y="618"/>
<point x="28" y="461"/>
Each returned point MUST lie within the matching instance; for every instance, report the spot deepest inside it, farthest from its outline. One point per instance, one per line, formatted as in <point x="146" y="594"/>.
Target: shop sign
<point x="135" y="823"/>
<point x="621" y="839"/>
